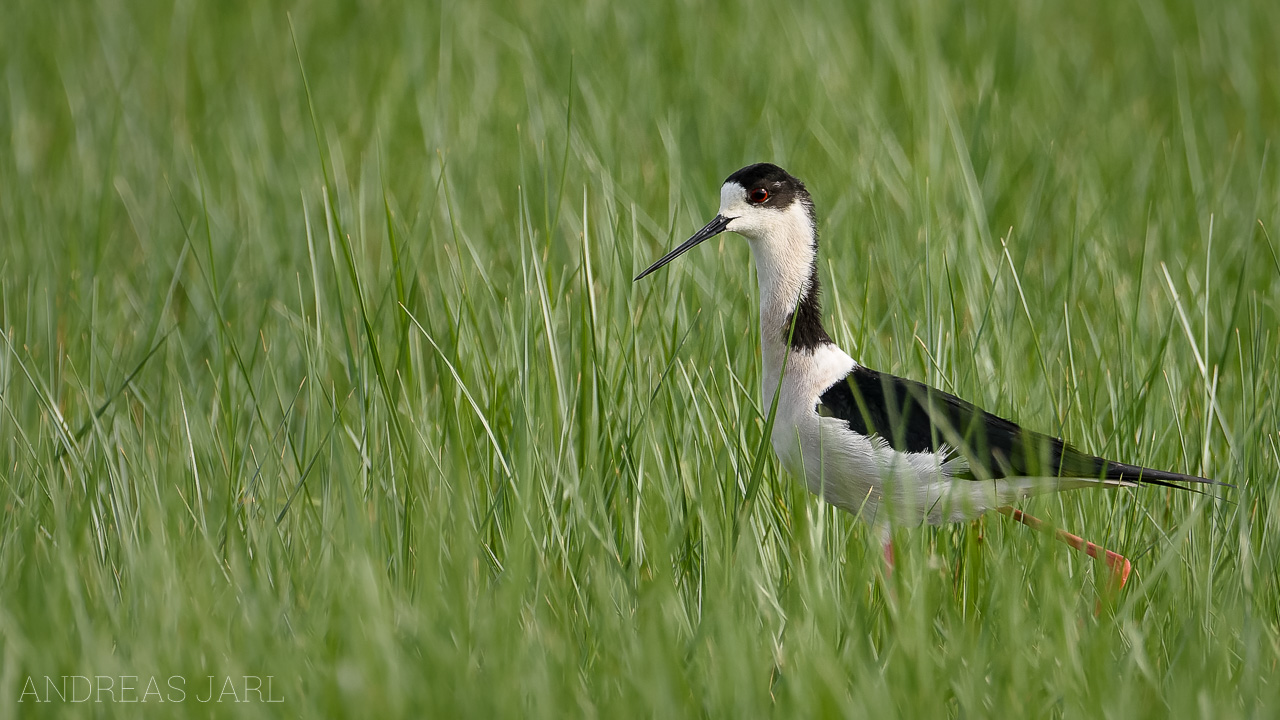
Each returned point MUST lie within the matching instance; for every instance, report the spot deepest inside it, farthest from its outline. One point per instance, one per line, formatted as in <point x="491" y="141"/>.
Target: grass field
<point x="322" y="363"/>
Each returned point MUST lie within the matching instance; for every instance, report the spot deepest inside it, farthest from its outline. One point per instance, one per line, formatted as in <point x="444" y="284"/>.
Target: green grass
<point x="321" y="359"/>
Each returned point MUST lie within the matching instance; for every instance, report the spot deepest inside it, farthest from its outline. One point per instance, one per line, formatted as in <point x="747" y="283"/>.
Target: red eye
<point x="759" y="195"/>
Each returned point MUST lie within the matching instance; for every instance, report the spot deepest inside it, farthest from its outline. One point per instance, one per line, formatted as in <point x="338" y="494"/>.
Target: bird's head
<point x="766" y="205"/>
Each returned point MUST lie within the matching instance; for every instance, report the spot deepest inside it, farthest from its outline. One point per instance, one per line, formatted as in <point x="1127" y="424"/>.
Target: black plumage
<point x="913" y="417"/>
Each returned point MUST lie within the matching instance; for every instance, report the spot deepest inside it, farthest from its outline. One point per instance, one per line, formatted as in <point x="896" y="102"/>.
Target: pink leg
<point x="887" y="544"/>
<point x="1119" y="564"/>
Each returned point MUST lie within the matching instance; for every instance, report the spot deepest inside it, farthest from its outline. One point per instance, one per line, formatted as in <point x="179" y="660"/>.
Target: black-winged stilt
<point x="887" y="449"/>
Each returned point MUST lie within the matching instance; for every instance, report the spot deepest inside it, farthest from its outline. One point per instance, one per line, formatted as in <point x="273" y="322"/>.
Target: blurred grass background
<point x="321" y="358"/>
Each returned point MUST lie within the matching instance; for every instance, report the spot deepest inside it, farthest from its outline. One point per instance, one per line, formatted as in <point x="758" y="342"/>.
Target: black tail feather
<point x="1147" y="476"/>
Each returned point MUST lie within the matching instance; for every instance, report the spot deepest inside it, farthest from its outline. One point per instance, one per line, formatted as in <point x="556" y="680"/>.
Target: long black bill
<point x="713" y="228"/>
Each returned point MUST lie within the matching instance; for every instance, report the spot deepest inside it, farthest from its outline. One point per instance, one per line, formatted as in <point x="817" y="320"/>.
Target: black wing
<point x="913" y="417"/>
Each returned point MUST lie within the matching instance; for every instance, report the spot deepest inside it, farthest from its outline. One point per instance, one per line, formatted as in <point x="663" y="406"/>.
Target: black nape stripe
<point x="802" y="329"/>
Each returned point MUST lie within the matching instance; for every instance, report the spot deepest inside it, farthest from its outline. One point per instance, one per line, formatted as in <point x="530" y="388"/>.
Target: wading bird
<point x="887" y="449"/>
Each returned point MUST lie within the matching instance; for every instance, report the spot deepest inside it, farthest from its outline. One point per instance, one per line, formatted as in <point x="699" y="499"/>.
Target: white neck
<point x="785" y="255"/>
